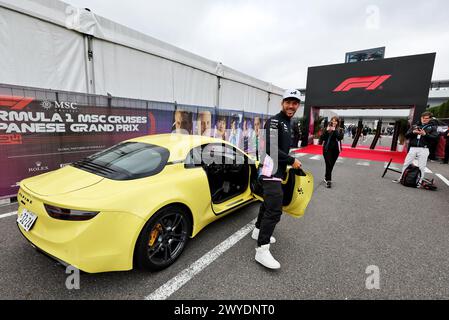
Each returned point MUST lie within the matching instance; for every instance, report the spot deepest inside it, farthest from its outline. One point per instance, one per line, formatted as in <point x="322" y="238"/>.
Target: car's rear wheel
<point x="163" y="239"/>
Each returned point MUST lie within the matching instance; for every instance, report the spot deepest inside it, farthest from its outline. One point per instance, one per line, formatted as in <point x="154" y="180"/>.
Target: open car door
<point x="297" y="188"/>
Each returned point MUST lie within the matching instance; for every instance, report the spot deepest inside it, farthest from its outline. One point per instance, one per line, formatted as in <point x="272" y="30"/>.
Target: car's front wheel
<point x="162" y="239"/>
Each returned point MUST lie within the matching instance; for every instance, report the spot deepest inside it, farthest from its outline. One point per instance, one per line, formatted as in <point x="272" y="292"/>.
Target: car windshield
<point x="126" y="161"/>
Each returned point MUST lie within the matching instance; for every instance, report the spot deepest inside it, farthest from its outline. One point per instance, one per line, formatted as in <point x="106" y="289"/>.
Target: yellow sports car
<point x="138" y="202"/>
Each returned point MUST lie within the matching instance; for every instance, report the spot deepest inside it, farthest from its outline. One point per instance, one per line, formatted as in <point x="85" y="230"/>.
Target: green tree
<point x="441" y="111"/>
<point x="444" y="110"/>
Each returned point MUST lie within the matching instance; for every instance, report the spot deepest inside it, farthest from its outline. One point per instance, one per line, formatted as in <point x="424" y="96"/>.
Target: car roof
<point x="178" y="144"/>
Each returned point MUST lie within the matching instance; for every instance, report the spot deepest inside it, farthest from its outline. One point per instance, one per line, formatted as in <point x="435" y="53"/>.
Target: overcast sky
<point x="276" y="41"/>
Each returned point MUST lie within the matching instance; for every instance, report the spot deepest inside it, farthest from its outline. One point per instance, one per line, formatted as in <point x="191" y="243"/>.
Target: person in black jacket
<point x="433" y="145"/>
<point x="331" y="139"/>
<point x="421" y="136"/>
<point x="275" y="160"/>
<point x="446" y="148"/>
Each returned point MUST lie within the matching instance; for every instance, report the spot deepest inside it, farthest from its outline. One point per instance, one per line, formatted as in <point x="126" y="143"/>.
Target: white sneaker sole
<point x="273" y="267"/>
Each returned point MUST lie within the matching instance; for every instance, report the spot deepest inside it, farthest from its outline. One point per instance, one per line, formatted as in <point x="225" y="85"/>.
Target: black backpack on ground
<point x="411" y="176"/>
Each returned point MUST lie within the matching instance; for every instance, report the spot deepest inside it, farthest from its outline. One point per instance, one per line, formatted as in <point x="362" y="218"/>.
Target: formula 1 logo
<point x="14" y="102"/>
<point x="369" y="83"/>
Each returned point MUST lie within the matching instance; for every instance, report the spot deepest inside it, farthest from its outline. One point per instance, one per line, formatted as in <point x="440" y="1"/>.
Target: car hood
<point x="61" y="181"/>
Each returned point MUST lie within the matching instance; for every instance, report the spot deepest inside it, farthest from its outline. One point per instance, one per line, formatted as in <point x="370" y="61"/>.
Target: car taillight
<point x="69" y="214"/>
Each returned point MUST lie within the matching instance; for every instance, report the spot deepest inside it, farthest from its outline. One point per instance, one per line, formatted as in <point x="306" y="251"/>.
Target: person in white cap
<point x="275" y="160"/>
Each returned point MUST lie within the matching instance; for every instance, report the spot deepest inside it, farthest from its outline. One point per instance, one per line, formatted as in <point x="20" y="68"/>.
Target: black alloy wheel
<point x="163" y="239"/>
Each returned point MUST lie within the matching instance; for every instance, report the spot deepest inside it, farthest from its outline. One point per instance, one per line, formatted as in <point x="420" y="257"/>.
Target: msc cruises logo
<point x="63" y="105"/>
<point x="46" y="104"/>
<point x="369" y="83"/>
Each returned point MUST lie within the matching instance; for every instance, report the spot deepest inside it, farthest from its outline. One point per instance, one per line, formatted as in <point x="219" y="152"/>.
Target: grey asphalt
<point x="363" y="220"/>
<point x="383" y="141"/>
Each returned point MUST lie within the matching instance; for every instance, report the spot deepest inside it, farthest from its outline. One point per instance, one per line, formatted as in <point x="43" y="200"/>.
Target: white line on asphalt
<point x="187" y="274"/>
<point x="5" y="201"/>
<point x="8" y="214"/>
<point x="317" y="157"/>
<point x="442" y="178"/>
<point x="363" y="163"/>
<point x="427" y="170"/>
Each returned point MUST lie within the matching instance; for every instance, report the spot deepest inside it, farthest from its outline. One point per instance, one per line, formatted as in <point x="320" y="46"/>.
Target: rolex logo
<point x="39" y="167"/>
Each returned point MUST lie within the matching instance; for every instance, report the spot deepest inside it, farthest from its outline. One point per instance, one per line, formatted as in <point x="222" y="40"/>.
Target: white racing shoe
<point x="264" y="257"/>
<point x="255" y="235"/>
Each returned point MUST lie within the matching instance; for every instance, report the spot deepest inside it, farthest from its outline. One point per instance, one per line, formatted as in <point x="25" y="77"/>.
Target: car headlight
<point x="69" y="214"/>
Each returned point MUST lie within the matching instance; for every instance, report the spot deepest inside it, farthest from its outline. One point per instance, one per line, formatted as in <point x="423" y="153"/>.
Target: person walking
<point x="331" y="139"/>
<point x="421" y="136"/>
<point x="446" y="148"/>
<point x="365" y="133"/>
<point x="275" y="160"/>
<point x="434" y="143"/>
<point x="353" y="131"/>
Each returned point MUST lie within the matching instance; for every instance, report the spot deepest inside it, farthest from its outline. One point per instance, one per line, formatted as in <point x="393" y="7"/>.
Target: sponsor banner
<point x="38" y="135"/>
<point x="392" y="83"/>
<point x="183" y="120"/>
<point x="252" y="133"/>
<point x="203" y="123"/>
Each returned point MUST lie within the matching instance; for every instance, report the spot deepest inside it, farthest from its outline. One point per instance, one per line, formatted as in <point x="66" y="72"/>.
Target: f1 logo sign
<point x="369" y="83"/>
<point x="14" y="102"/>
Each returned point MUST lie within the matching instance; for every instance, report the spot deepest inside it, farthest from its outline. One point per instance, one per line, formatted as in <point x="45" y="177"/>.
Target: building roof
<point x="87" y="22"/>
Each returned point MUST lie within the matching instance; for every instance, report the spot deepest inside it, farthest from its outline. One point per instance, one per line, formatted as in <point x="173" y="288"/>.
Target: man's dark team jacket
<point x="424" y="141"/>
<point x="278" y="127"/>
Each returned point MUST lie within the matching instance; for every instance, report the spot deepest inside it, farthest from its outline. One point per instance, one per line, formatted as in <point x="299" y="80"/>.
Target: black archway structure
<point x="393" y="83"/>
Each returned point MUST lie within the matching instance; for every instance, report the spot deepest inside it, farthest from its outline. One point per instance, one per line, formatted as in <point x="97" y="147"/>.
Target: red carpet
<point x="384" y="148"/>
<point x="360" y="153"/>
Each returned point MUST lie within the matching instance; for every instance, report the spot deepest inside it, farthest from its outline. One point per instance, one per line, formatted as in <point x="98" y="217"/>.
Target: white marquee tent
<point x="50" y="44"/>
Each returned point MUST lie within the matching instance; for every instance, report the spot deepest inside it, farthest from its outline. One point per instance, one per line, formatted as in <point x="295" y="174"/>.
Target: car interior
<point x="228" y="173"/>
<point x="226" y="168"/>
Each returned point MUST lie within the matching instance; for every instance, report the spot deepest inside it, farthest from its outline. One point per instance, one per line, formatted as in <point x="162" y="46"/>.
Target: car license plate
<point x="27" y="220"/>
